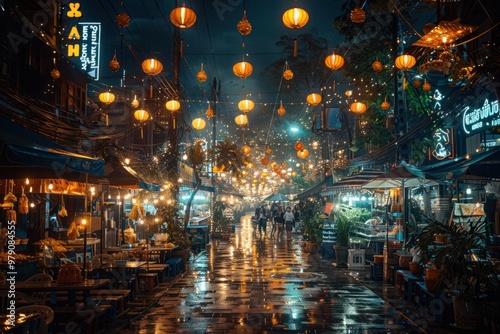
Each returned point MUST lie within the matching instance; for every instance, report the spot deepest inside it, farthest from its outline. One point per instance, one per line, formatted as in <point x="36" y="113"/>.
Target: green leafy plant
<point x="345" y="216"/>
<point x="220" y="222"/>
<point x="176" y="232"/>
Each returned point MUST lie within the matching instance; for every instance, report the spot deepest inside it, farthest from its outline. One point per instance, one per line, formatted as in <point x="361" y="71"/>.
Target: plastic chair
<point x="40" y="296"/>
<point x="45" y="315"/>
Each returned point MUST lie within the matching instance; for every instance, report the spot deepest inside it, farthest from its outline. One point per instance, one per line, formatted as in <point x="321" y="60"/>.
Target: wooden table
<point x="70" y="288"/>
<point x="164" y="253"/>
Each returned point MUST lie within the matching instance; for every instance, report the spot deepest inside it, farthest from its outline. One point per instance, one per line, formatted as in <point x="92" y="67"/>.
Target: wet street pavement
<point x="254" y="284"/>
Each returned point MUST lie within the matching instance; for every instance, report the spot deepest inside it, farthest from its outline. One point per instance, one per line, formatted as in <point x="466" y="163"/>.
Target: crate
<point x="174" y="266"/>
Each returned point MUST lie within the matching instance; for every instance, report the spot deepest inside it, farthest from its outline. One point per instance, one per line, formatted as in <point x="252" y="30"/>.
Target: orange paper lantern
<point x="183" y="17"/>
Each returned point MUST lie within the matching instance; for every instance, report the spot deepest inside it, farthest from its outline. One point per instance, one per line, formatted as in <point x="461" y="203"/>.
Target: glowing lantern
<point x="334" y="62"/>
<point x="283" y="164"/>
<point x="246" y="105"/>
<point x="295" y="18"/>
<point x="304" y="171"/>
<point x="107" y="98"/>
<point x="114" y="65"/>
<point x="294" y="174"/>
<point x="314" y="99"/>
<point x="281" y="109"/>
<point x="287" y="74"/>
<point x="348" y="93"/>
<point x="417" y="83"/>
<point x="273" y="165"/>
<point x="265" y="161"/>
<point x="242" y="69"/>
<point x="209" y="112"/>
<point x="202" y="75"/>
<point x="303" y="153"/>
<point x="152" y="66"/>
<point x="358" y="15"/>
<point x="141" y="115"/>
<point x="244" y="27"/>
<point x="55" y="74"/>
<point x="135" y="102"/>
<point x="198" y="123"/>
<point x="427" y="86"/>
<point x="250" y="165"/>
<point x="268" y="151"/>
<point x="183" y="17"/>
<point x="218" y="169"/>
<point x="122" y="20"/>
<point x="358" y="107"/>
<point x="385" y="105"/>
<point x="241" y="120"/>
<point x="263" y="175"/>
<point x="405" y="62"/>
<point x="173" y="105"/>
<point x="246" y="149"/>
<point x="377" y="66"/>
<point x="298" y="146"/>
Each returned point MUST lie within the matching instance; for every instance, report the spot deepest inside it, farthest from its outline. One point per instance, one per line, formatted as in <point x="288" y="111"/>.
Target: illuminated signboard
<point x="84" y="41"/>
<point x="444" y="146"/>
<point x="482" y="118"/>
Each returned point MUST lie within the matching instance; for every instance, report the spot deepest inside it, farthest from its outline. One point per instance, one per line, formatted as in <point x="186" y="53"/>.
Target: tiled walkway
<point x="253" y="284"/>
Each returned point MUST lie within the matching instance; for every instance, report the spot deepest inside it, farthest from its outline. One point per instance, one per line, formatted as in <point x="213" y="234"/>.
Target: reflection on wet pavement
<point x="253" y="284"/>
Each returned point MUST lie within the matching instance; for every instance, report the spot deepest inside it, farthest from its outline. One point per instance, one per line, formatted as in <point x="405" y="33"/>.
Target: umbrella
<point x="401" y="176"/>
<point x="276" y="197"/>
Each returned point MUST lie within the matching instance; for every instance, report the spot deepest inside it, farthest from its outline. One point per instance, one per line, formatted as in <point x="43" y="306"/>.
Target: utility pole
<point x="215" y="97"/>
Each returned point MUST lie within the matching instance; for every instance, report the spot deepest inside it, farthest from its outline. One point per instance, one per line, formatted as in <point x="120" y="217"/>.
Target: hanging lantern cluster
<point x="334" y="62"/>
<point x="122" y="20"/>
<point x="244" y="27"/>
<point x="241" y="120"/>
<point x="377" y="66"/>
<point x="358" y="15"/>
<point x="358" y="108"/>
<point x="246" y="105"/>
<point x="281" y="109"/>
<point x="183" y="17"/>
<point x="172" y="105"/>
<point x="114" y="65"/>
<point x="242" y="69"/>
<point x="202" y="75"/>
<point x="152" y="66"/>
<point x="313" y="99"/>
<point x="405" y="62"/>
<point x="198" y="123"/>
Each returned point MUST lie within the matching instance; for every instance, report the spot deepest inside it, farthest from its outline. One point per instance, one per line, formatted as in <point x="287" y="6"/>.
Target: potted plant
<point x="177" y="235"/>
<point x="462" y="264"/>
<point x="313" y="218"/>
<point x="344" y="217"/>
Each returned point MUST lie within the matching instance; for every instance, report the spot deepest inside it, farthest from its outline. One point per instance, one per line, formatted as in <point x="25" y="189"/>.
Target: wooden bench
<point x="160" y="269"/>
<point x="80" y="319"/>
<point x="119" y="297"/>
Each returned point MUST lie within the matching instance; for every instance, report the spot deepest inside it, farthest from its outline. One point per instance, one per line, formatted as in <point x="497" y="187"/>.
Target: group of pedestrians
<point x="281" y="220"/>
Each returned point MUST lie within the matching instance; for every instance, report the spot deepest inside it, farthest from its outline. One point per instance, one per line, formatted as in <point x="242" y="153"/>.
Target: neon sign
<point x="443" y="145"/>
<point x="84" y="42"/>
<point x="479" y="119"/>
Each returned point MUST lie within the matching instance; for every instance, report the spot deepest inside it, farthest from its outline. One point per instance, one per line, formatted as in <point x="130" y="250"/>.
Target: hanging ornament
<point x="358" y="108"/>
<point x="202" y="75"/>
<point x="281" y="109"/>
<point x="265" y="161"/>
<point x="295" y="18"/>
<point x="287" y="74"/>
<point x="122" y="20"/>
<point x="135" y="102"/>
<point x="377" y="66"/>
<point x="152" y="66"/>
<point x="246" y="149"/>
<point x="244" y="27"/>
<point x="334" y="62"/>
<point x="114" y="65"/>
<point x="417" y="83"/>
<point x="303" y="153"/>
<point x="313" y="99"/>
<point x="242" y="69"/>
<point x="385" y="105"/>
<point x="268" y="151"/>
<point x="172" y="105"/>
<point x="298" y="146"/>
<point x="209" y="112"/>
<point x="405" y="62"/>
<point x="198" y="123"/>
<point x="246" y="105"/>
<point x="358" y="15"/>
<point x="55" y="74"/>
<point x="241" y="120"/>
<point x="427" y="86"/>
<point x="183" y="17"/>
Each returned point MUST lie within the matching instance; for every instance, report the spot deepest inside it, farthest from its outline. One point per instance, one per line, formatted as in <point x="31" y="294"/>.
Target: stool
<point x="356" y="258"/>
<point x="174" y="265"/>
<point x="376" y="271"/>
<point x="150" y="280"/>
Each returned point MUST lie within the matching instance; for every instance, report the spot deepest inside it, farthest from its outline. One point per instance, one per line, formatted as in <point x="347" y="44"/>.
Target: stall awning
<point x="315" y="190"/>
<point x="353" y="182"/>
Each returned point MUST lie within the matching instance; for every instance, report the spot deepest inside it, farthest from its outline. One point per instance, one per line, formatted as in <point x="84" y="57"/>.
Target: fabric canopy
<point x="353" y="182"/>
<point x="279" y="197"/>
<point x="404" y="175"/>
<point x="316" y="189"/>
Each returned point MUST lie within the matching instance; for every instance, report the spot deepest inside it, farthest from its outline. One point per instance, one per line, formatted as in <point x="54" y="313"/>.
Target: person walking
<point x="279" y="220"/>
<point x="262" y="220"/>
<point x="289" y="219"/>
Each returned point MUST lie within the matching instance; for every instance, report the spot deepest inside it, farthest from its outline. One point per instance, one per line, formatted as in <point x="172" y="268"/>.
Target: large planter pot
<point x="311" y="247"/>
<point x="466" y="313"/>
<point x="432" y="273"/>
<point x="415" y="268"/>
<point x="404" y="261"/>
<point x="341" y="254"/>
<point x="432" y="285"/>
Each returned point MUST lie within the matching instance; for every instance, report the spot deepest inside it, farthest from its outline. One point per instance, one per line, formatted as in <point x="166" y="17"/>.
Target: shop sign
<point x="83" y="46"/>
<point x="62" y="186"/>
<point x="482" y="118"/>
<point x="443" y="146"/>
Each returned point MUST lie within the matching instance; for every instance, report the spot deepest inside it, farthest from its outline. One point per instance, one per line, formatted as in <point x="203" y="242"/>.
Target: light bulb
<point x="468" y="191"/>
